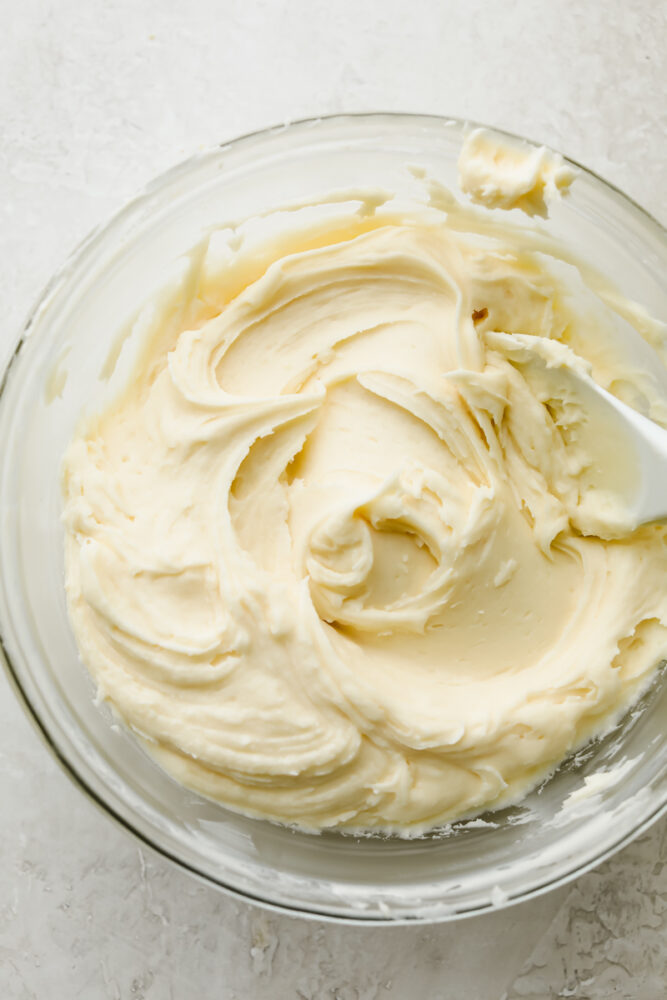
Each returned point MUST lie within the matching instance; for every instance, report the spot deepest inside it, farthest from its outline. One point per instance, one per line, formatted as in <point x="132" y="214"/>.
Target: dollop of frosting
<point x="332" y="551"/>
<point x="501" y="172"/>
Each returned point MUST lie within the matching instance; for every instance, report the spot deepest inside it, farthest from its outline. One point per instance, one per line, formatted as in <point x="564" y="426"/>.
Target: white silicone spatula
<point x="630" y="452"/>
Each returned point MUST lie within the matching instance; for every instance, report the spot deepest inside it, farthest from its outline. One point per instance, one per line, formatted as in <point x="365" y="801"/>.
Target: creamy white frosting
<point x="333" y="552"/>
<point x="501" y="172"/>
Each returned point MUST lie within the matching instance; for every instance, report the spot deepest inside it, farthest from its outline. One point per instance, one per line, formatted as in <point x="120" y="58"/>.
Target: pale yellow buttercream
<point x="334" y="551"/>
<point x="502" y="172"/>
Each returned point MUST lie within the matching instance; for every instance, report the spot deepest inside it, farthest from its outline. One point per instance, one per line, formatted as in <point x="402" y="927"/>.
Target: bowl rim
<point x="94" y="236"/>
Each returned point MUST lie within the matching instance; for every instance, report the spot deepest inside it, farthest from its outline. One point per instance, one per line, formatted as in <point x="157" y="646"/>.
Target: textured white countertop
<point x="97" y="97"/>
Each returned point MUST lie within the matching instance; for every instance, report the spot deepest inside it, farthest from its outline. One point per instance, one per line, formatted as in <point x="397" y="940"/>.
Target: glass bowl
<point x="60" y="367"/>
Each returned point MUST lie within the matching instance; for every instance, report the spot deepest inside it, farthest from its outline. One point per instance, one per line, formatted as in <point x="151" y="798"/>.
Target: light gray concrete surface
<point x="97" y="97"/>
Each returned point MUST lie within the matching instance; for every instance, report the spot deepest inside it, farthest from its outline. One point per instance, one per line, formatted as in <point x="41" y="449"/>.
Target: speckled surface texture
<point x="96" y="98"/>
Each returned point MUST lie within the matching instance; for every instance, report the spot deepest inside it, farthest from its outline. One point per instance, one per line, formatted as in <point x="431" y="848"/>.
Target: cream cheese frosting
<point x="506" y="173"/>
<point x="333" y="551"/>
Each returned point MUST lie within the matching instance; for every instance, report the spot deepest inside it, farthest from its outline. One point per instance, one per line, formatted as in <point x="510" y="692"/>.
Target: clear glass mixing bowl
<point x="57" y="370"/>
